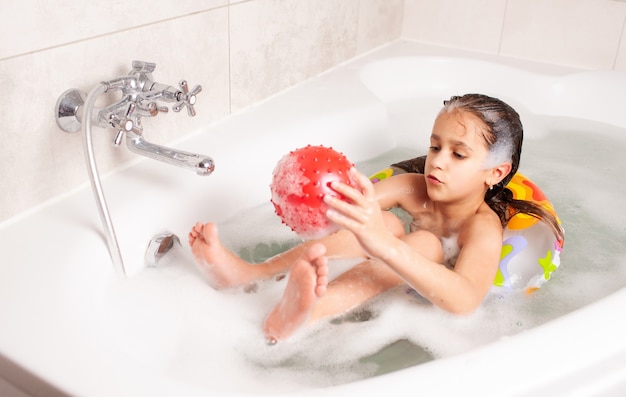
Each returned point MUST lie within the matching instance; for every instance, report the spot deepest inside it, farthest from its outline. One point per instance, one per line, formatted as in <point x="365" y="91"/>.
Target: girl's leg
<point x="351" y="289"/>
<point x="224" y="269"/>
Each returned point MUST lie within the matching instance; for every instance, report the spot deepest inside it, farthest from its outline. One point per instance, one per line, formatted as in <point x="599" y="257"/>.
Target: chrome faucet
<point x="141" y="97"/>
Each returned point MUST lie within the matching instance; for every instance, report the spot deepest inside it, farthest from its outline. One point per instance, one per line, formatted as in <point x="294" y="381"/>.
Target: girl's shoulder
<point x="401" y="188"/>
<point x="409" y="178"/>
<point x="484" y="223"/>
<point x="486" y="217"/>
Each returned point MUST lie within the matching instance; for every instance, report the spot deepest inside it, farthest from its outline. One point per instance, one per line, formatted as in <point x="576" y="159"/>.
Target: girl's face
<point x="455" y="165"/>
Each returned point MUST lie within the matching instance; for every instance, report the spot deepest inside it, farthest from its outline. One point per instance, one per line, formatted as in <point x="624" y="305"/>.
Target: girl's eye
<point x="434" y="148"/>
<point x="459" y="156"/>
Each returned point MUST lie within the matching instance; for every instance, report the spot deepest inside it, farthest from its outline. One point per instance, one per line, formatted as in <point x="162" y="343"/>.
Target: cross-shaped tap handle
<point x="186" y="98"/>
<point x="125" y="124"/>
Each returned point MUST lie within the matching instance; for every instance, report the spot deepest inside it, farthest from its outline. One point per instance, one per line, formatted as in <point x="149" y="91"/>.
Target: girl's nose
<point x="436" y="160"/>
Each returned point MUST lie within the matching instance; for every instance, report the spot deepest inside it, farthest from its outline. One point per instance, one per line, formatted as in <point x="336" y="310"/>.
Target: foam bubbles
<point x="451" y="249"/>
<point x="500" y="152"/>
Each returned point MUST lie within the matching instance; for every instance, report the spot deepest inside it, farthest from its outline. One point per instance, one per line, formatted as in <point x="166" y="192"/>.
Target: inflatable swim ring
<point x="530" y="251"/>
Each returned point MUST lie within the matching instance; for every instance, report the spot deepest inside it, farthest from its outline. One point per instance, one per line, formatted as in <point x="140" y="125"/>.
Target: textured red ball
<point x="300" y="181"/>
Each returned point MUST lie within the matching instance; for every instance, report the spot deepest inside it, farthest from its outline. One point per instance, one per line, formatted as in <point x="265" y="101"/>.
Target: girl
<point x="460" y="202"/>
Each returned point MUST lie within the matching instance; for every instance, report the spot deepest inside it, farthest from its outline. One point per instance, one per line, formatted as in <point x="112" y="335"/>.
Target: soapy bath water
<point x="577" y="166"/>
<point x="214" y="340"/>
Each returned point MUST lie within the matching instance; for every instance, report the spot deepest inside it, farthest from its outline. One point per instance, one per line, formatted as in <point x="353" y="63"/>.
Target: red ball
<point x="300" y="181"/>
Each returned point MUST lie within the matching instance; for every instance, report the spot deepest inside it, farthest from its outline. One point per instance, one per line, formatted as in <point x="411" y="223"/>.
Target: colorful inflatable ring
<point x="530" y="251"/>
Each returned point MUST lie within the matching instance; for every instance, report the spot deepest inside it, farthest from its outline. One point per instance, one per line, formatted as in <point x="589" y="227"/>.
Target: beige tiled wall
<point x="265" y="56"/>
<point x="473" y="25"/>
<point x="240" y="51"/>
<point x="583" y="33"/>
<point x="588" y="34"/>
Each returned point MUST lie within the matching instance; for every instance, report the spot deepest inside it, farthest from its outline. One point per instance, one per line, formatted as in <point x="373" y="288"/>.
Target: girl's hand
<point x="361" y="214"/>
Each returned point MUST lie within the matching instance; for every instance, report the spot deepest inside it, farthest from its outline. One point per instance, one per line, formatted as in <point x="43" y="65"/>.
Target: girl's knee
<point x="394" y="224"/>
<point x="427" y="244"/>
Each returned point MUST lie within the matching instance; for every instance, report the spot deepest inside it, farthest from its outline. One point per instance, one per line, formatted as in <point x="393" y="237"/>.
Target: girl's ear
<point x="499" y="173"/>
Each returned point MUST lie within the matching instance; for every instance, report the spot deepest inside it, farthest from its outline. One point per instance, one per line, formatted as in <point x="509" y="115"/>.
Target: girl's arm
<point x="460" y="290"/>
<point x="411" y="186"/>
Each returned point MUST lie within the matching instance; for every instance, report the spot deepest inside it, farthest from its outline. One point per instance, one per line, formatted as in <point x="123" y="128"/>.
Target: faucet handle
<point x="143" y="67"/>
<point x="187" y="98"/>
<point x="126" y="123"/>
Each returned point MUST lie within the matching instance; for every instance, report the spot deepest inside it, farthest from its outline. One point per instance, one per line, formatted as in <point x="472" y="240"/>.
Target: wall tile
<point x="620" y="62"/>
<point x="274" y="44"/>
<point x="38" y="160"/>
<point x="38" y="24"/>
<point x="579" y="33"/>
<point x="380" y="21"/>
<point x="472" y="25"/>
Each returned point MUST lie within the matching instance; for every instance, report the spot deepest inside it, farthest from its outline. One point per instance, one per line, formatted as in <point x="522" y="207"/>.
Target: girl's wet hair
<point x="503" y="134"/>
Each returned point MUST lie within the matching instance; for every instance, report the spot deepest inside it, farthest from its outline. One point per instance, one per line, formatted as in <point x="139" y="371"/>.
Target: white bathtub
<point x="69" y="325"/>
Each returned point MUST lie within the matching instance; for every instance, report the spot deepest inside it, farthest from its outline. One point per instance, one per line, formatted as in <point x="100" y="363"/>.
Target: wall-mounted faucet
<point x="141" y="97"/>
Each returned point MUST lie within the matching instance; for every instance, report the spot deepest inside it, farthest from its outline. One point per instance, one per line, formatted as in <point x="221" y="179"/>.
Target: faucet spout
<point x="200" y="164"/>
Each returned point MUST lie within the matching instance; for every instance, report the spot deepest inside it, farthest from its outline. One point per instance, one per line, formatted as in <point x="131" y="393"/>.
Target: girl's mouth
<point x="433" y="179"/>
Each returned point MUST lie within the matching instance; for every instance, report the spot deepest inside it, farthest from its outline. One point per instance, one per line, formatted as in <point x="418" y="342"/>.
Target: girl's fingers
<point x="343" y="220"/>
<point x="346" y="209"/>
<point x="346" y="191"/>
<point x="356" y="195"/>
<point x="357" y="209"/>
<point x="367" y="188"/>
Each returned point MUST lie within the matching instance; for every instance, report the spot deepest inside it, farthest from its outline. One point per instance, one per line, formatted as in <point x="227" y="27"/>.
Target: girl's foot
<point x="222" y="268"/>
<point x="308" y="279"/>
